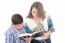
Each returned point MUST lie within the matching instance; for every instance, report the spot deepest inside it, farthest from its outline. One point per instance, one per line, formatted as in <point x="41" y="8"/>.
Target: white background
<point x="55" y="8"/>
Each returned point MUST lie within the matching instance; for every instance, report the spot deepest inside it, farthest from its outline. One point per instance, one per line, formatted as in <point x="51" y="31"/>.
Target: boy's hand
<point x="28" y="38"/>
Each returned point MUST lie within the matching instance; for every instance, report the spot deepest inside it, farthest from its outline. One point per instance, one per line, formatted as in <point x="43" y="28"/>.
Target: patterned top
<point x="45" y="25"/>
<point x="40" y="27"/>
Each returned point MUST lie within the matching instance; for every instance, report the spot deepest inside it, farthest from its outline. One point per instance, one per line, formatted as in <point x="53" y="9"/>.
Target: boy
<point x="15" y="30"/>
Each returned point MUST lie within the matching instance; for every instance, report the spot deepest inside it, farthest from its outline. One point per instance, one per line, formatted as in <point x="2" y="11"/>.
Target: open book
<point x="37" y="32"/>
<point x="34" y="35"/>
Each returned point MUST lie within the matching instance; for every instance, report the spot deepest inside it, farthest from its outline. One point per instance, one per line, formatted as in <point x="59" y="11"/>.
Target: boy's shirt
<point x="12" y="35"/>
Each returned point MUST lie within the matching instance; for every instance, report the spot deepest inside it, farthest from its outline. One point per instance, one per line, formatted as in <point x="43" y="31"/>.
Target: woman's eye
<point x="33" y="12"/>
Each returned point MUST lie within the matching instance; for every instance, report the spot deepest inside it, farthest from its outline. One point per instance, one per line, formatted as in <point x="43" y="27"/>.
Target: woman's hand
<point x="47" y="34"/>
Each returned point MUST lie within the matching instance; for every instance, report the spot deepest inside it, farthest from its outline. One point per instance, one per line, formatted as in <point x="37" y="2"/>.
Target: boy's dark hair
<point x="17" y="19"/>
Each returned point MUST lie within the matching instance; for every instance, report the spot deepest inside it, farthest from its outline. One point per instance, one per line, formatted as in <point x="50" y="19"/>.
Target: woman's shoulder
<point x="28" y="20"/>
<point x="47" y="17"/>
<point x="30" y="23"/>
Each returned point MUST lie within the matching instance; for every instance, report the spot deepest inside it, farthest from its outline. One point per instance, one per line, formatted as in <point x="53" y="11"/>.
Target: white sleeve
<point x="30" y="23"/>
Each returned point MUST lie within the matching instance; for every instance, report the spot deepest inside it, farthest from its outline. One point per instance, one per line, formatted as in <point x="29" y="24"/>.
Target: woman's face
<point x="34" y="12"/>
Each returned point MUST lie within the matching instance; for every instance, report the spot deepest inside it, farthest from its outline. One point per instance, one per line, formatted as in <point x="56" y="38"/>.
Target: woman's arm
<point x="50" y="25"/>
<point x="50" y="28"/>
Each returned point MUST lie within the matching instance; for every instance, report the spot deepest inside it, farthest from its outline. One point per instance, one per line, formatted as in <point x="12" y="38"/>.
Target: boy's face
<point x="19" y="26"/>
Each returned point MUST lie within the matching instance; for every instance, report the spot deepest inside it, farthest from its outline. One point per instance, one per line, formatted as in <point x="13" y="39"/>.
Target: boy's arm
<point x="9" y="37"/>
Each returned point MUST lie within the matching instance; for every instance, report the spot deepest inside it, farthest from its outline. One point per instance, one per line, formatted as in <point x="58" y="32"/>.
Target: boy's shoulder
<point x="9" y="31"/>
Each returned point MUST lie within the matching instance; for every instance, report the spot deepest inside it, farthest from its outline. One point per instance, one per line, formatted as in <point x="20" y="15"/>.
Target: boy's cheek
<point x="20" y="27"/>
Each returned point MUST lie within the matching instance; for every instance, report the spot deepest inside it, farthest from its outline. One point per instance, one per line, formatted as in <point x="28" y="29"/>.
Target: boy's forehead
<point x="19" y="24"/>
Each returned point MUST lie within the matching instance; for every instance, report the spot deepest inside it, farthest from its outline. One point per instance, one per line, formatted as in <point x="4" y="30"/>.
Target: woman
<point x="37" y="18"/>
